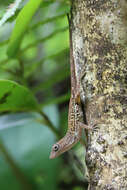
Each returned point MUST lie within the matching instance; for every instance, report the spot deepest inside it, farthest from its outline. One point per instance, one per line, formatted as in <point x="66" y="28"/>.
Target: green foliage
<point x="14" y="97"/>
<point x="34" y="95"/>
<point x="22" y="22"/>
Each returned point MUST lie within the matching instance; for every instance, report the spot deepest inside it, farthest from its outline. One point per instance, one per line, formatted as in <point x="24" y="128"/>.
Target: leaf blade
<point x="14" y="97"/>
<point x="22" y="22"/>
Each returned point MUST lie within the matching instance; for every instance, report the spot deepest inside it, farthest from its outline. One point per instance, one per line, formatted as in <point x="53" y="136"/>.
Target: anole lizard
<point x="75" y="115"/>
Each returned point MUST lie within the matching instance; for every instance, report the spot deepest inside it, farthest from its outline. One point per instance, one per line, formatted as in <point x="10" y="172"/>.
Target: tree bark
<point x="99" y="36"/>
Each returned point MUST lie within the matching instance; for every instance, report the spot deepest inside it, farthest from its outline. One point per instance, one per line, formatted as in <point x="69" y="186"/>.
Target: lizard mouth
<point x="52" y="155"/>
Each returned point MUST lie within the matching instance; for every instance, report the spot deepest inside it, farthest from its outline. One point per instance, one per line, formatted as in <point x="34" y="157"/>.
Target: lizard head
<point x="56" y="151"/>
<point x="63" y="145"/>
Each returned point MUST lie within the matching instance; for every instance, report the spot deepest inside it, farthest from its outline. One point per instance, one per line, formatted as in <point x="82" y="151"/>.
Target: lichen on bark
<point x="100" y="53"/>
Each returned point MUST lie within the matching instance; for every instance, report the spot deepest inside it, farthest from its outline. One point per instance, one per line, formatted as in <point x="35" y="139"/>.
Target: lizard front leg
<point x="84" y="126"/>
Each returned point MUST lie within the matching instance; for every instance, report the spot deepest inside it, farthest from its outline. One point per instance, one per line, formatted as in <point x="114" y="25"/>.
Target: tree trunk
<point x="99" y="37"/>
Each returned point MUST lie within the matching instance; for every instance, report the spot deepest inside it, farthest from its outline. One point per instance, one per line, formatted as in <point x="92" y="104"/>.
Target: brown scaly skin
<point x="75" y="115"/>
<point x="73" y="134"/>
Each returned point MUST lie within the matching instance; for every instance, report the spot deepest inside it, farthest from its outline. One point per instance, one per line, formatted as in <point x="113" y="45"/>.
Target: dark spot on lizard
<point x="4" y="98"/>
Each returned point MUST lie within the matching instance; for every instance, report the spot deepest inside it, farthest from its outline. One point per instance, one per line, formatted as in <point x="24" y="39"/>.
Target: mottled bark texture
<point x="99" y="34"/>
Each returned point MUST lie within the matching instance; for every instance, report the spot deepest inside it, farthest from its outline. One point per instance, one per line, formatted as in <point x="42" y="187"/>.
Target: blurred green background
<point x="34" y="53"/>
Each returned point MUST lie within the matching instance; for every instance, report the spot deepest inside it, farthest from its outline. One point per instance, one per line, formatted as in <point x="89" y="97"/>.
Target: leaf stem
<point x="43" y="39"/>
<point x="47" y="21"/>
<point x="19" y="175"/>
<point x="49" y="123"/>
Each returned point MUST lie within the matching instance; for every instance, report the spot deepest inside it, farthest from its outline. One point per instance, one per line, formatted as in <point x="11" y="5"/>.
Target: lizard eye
<point x="56" y="147"/>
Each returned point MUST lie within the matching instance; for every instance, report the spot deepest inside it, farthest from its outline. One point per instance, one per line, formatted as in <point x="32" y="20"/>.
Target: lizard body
<point x="75" y="115"/>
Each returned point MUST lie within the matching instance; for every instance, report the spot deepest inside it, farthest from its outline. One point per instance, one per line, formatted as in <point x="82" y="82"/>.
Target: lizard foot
<point x="93" y="127"/>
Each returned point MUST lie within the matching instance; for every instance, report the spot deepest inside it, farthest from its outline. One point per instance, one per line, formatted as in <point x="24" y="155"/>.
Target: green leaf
<point x="22" y="22"/>
<point x="14" y="97"/>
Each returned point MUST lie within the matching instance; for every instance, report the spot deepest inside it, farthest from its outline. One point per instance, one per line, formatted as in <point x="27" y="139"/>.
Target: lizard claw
<point x="95" y="127"/>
